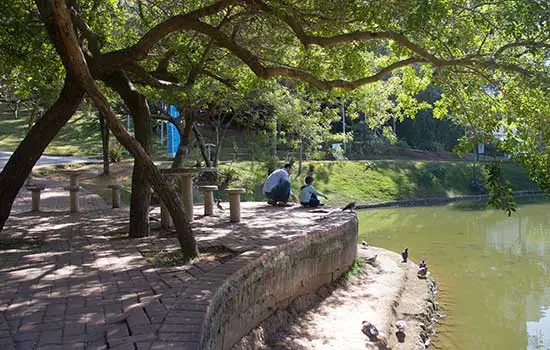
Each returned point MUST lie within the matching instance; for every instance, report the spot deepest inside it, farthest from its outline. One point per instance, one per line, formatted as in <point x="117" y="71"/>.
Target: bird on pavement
<point x="350" y="206"/>
<point x="364" y="244"/>
<point x="405" y="254"/>
<point x="369" y="330"/>
<point x="219" y="205"/>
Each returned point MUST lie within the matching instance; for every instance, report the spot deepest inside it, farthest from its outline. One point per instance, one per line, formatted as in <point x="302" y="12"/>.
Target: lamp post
<point x="208" y="147"/>
<point x="343" y="123"/>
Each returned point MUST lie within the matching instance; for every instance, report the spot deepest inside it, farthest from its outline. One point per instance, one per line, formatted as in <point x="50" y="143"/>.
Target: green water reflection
<point x="493" y="271"/>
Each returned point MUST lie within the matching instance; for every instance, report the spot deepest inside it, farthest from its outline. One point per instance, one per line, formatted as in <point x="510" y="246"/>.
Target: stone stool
<point x="235" y="203"/>
<point x="115" y="194"/>
<point x="73" y="196"/>
<point x="208" y="199"/>
<point x="36" y="189"/>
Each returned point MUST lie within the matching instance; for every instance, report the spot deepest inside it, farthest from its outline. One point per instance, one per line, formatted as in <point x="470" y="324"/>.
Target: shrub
<point x="116" y="154"/>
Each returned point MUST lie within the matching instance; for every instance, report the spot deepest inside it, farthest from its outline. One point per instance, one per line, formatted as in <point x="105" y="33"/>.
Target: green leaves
<point x="500" y="192"/>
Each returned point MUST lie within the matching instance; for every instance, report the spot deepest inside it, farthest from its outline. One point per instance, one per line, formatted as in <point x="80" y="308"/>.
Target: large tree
<point x="490" y="59"/>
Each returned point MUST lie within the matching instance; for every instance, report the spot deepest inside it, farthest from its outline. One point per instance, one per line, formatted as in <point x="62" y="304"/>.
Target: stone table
<point x="74" y="187"/>
<point x="186" y="175"/>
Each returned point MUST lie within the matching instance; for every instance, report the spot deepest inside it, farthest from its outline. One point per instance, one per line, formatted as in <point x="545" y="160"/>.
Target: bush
<point x="116" y="154"/>
<point x="402" y="144"/>
<point x="270" y="164"/>
<point x="477" y="186"/>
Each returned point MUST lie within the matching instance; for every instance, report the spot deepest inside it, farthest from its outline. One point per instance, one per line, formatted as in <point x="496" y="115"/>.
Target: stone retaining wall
<point x="275" y="278"/>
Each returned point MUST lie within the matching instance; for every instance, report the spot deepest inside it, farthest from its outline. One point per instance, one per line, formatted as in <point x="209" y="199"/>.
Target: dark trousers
<point x="313" y="202"/>
<point x="280" y="193"/>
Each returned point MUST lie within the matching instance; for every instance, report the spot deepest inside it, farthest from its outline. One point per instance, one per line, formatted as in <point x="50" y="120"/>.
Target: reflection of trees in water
<point x="497" y="266"/>
<point x="537" y="331"/>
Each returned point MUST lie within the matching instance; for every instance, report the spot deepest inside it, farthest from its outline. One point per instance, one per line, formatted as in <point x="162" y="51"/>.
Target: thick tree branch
<point x="307" y="39"/>
<point x="530" y="44"/>
<point x="143" y="77"/>
<point x="224" y="81"/>
<point x="143" y="46"/>
<point x="170" y="119"/>
<point x="93" y="40"/>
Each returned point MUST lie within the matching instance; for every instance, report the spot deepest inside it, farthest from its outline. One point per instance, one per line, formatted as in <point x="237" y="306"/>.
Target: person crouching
<point x="277" y="186"/>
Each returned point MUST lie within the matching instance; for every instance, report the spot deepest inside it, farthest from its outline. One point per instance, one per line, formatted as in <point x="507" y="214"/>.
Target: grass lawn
<point x="80" y="137"/>
<point x="382" y="180"/>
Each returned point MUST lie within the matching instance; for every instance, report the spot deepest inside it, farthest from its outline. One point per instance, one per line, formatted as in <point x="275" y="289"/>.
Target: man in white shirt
<point x="277" y="186"/>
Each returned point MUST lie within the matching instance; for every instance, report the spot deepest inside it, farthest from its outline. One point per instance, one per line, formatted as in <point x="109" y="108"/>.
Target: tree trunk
<point x="183" y="148"/>
<point x="202" y="147"/>
<point x="219" y="140"/>
<point x="105" y="145"/>
<point x="55" y="14"/>
<point x="20" y="164"/>
<point x="34" y="112"/>
<point x="301" y="156"/>
<point x="141" y="190"/>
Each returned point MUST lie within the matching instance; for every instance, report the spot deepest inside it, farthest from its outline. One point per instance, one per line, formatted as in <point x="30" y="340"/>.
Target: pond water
<point x="493" y="271"/>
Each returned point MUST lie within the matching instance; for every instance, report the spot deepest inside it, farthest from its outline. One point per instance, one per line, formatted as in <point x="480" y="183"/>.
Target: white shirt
<point x="275" y="178"/>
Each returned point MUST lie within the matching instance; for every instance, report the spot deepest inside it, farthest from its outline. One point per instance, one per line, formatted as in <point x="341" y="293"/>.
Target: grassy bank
<point x="376" y="181"/>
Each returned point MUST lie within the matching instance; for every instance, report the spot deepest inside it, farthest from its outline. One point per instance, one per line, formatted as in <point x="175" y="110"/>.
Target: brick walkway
<point x="74" y="281"/>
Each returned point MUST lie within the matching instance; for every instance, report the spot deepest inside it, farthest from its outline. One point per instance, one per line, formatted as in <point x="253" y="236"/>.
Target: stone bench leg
<point x="115" y="195"/>
<point x="234" y="195"/>
<point x="74" y="199"/>
<point x="35" y="197"/>
<point x="208" y="199"/>
<point x="35" y="200"/>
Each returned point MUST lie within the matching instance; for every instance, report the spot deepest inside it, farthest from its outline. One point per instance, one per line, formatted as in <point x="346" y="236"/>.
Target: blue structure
<point x="172" y="132"/>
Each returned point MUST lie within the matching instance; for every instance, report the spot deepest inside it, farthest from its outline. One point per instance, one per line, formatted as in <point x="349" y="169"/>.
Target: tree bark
<point x="34" y="112"/>
<point x="74" y="61"/>
<point x="20" y="164"/>
<point x="185" y="137"/>
<point x="202" y="147"/>
<point x="104" y="145"/>
<point x="141" y="190"/>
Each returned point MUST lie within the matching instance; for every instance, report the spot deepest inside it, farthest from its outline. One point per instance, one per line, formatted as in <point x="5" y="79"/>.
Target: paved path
<point x="50" y="160"/>
<point x="74" y="281"/>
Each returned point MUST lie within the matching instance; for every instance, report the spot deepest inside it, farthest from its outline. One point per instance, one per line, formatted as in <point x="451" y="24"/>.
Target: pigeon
<point x="364" y="244"/>
<point x="405" y="255"/>
<point x="219" y="205"/>
<point x="350" y="206"/>
<point x="369" y="330"/>
<point x="371" y="260"/>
